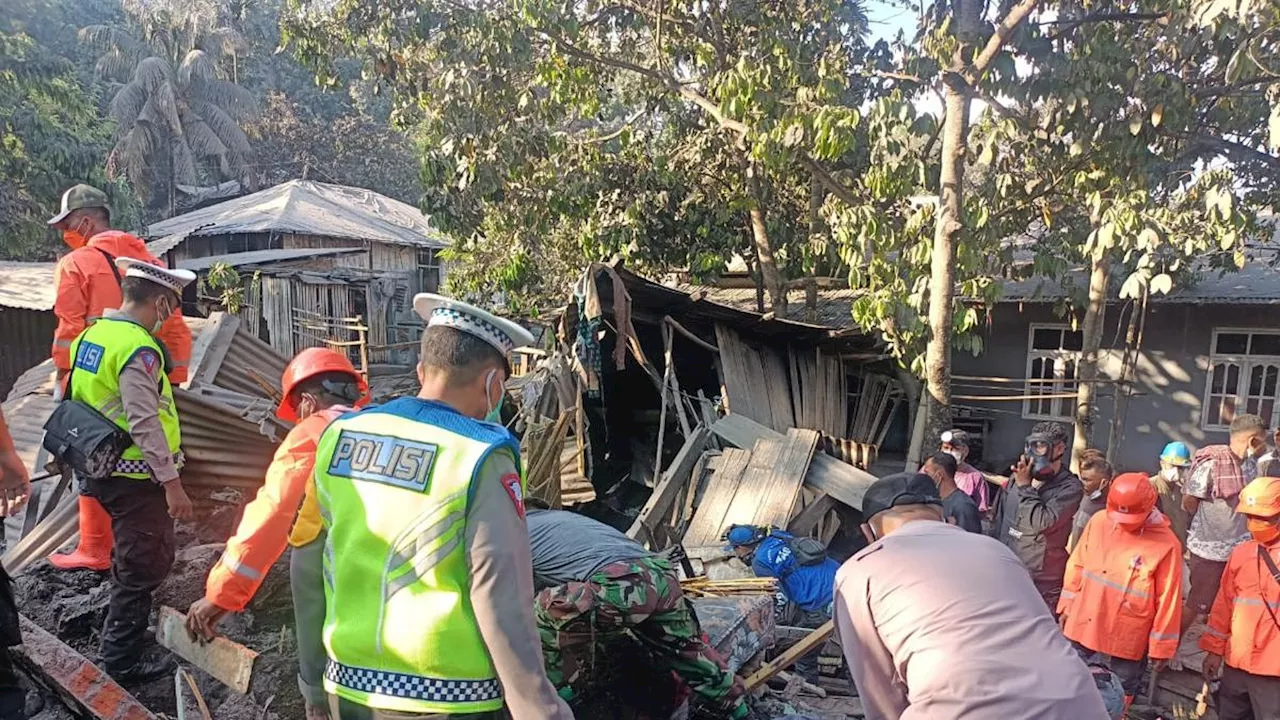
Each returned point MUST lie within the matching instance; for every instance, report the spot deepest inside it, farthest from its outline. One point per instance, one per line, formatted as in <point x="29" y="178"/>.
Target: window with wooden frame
<point x="428" y="270"/>
<point x="1053" y="352"/>
<point x="1243" y="377"/>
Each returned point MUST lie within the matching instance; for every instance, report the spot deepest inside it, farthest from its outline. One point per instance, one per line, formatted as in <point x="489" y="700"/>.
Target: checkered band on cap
<point x="402" y="685"/>
<point x="467" y="323"/>
<point x="158" y="275"/>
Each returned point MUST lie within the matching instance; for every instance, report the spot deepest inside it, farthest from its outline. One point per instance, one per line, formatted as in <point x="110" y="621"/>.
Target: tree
<point x="178" y="121"/>
<point x="729" y="102"/>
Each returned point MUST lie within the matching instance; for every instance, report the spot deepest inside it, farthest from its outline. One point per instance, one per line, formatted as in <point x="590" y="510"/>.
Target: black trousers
<point x="142" y="559"/>
<point x="1243" y="696"/>
<point x="13" y="696"/>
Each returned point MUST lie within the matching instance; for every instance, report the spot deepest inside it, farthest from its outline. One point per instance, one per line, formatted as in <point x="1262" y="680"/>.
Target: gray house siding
<point x="1171" y="375"/>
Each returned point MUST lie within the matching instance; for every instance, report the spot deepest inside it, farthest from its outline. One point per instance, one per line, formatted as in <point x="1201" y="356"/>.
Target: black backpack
<point x="807" y="551"/>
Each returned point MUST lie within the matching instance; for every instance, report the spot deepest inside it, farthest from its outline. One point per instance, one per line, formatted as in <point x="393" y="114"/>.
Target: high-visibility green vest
<point x="100" y="353"/>
<point x="394" y="483"/>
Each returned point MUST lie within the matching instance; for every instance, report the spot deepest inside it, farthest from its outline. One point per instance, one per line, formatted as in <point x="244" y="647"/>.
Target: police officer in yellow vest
<point x="427" y="569"/>
<point x="118" y="368"/>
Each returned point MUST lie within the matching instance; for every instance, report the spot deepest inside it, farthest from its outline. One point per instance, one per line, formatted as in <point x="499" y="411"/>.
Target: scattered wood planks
<point x="789" y="658"/>
<point x="541" y="450"/>
<point x="755" y="380"/>
<point x="669" y="486"/>
<point x="843" y="482"/>
<point x="764" y="492"/>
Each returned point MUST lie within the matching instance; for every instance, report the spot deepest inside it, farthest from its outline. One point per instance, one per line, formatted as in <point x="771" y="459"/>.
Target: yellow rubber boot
<point x="96" y="540"/>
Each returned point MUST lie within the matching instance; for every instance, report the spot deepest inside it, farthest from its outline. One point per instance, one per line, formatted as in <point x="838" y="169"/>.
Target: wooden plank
<point x="769" y="488"/>
<point x="789" y="658"/>
<point x="811" y="515"/>
<point x="841" y="481"/>
<point x="704" y="530"/>
<point x="212" y="359"/>
<point x="673" y="479"/>
<point x="750" y="502"/>
<point x="228" y="662"/>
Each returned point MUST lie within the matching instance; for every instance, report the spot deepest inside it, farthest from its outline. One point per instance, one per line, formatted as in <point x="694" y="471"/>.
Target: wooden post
<point x="364" y="347"/>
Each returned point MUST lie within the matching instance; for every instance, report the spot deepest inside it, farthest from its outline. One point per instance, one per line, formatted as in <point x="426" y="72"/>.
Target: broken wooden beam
<point x="811" y="515"/>
<point x="840" y="480"/>
<point x="811" y="642"/>
<point x="228" y="662"/>
<point x="673" y="480"/>
<point x="76" y="680"/>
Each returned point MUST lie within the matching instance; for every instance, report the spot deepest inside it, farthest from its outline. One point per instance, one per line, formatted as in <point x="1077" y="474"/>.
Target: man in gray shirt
<point x="597" y="583"/>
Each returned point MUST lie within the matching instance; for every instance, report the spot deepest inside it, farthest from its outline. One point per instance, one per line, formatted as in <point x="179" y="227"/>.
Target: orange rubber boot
<point x="96" y="540"/>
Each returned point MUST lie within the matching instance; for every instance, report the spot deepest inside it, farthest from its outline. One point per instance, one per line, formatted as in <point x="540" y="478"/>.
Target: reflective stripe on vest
<point x="98" y="355"/>
<point x="393" y="484"/>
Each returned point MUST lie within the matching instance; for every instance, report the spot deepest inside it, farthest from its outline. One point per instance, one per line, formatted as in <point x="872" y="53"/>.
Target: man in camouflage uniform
<point x="595" y="584"/>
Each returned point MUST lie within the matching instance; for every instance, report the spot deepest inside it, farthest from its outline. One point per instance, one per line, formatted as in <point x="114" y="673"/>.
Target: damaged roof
<point x="304" y="207"/>
<point x="260" y="257"/>
<point x="27" y="285"/>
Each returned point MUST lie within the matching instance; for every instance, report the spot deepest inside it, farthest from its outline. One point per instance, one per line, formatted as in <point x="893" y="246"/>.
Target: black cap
<point x="899" y="489"/>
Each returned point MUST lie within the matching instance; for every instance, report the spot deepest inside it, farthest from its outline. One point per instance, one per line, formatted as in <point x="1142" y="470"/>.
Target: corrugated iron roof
<point x="27" y="285"/>
<point x="260" y="257"/>
<point x="307" y="208"/>
<point x="833" y="306"/>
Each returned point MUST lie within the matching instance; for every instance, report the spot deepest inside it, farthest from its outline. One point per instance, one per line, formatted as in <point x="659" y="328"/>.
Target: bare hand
<point x="317" y="712"/>
<point x="1159" y="665"/>
<point x="1211" y="667"/>
<point x="15" y="489"/>
<point x="180" y="507"/>
<point x="1022" y="471"/>
<point x="203" y="618"/>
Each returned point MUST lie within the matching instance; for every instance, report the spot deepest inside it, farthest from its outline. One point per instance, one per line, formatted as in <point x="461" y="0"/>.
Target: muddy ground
<point x="73" y="605"/>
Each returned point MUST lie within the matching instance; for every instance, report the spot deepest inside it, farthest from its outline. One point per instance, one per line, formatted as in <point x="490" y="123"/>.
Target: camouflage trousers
<point x="640" y="597"/>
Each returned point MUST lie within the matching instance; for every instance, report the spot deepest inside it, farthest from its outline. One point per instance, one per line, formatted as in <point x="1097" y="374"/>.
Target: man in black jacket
<point x="1037" y="508"/>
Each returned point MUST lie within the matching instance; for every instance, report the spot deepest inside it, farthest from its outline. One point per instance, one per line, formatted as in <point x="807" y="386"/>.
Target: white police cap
<point x="440" y="311"/>
<point x="173" y="280"/>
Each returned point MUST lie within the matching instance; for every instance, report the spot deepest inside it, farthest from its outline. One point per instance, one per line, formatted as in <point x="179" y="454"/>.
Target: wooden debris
<point x="541" y="450"/>
<point x="808" y="518"/>
<point x="841" y="481"/>
<point x="704" y="587"/>
<point x="704" y="529"/>
<point x="789" y="658"/>
<point x="48" y="535"/>
<point x="75" y="679"/>
<point x="673" y="480"/>
<point x="228" y="662"/>
<point x="801" y="684"/>
<point x="178" y="677"/>
<point x="755" y="380"/>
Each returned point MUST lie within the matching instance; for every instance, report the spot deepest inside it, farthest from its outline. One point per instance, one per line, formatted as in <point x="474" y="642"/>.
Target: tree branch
<point x="830" y="183"/>
<point x="1105" y="17"/>
<point x="1001" y="36"/>
<point x="1240" y="152"/>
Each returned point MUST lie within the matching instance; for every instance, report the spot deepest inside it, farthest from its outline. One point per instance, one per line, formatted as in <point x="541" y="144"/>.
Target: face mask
<point x="959" y="456"/>
<point x="75" y="237"/>
<point x="1264" y="530"/>
<point x="1096" y="494"/>
<point x="161" y="315"/>
<point x="1171" y="474"/>
<point x="494" y="415"/>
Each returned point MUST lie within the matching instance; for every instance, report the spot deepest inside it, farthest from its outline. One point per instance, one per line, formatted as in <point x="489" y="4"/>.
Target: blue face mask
<point x="494" y="415"/>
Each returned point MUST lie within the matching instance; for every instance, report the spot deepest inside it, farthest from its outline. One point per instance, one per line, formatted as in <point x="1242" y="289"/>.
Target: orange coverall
<point x="268" y="524"/>
<point x="1122" y="593"/>
<point x="1240" y="629"/>
<point x="86" y="287"/>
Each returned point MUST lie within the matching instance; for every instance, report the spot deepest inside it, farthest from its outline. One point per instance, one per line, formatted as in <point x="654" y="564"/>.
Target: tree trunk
<point x="1132" y="351"/>
<point x="955" y="131"/>
<point x="816" y="196"/>
<point x="1087" y="369"/>
<point x="773" y="284"/>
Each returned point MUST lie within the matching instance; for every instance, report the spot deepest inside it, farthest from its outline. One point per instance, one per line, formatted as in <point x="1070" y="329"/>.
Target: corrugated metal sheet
<point x="312" y="208"/>
<point x="228" y="425"/>
<point x="27" y="285"/>
<point x="261" y="257"/>
<point x="25" y="336"/>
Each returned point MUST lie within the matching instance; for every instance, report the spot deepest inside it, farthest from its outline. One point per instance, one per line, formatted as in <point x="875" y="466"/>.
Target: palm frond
<point x="114" y="65"/>
<point x="236" y="101"/>
<point x="153" y="72"/>
<point x="196" y="68"/>
<point x="184" y="163"/>
<point x="127" y="105"/>
<point x="203" y="141"/>
<point x="225" y="41"/>
<point x="102" y="38"/>
<point x="227" y="130"/>
<point x="165" y="102"/>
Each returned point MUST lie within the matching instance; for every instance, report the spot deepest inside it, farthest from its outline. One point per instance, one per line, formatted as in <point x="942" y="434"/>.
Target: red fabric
<point x="1122" y="594"/>
<point x="86" y="288"/>
<point x="1228" y="478"/>
<point x="263" y="532"/>
<point x="1240" y="629"/>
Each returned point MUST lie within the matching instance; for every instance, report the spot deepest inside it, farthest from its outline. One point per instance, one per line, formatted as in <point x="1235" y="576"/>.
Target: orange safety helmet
<point x="1260" y="498"/>
<point x="308" y="364"/>
<point x="1131" y="499"/>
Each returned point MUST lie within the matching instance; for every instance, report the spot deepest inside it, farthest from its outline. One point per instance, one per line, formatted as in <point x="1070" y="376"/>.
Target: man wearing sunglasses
<point x="925" y="593"/>
<point x="1037" y="508"/>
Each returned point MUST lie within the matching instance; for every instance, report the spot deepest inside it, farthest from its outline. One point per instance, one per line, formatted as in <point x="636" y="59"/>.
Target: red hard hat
<point x="308" y="364"/>
<point x="1131" y="498"/>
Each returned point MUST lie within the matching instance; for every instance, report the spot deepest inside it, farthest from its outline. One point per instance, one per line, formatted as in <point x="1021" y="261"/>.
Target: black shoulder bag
<point x="79" y="435"/>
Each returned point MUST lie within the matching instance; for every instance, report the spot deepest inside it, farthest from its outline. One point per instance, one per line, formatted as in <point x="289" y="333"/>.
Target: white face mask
<point x="1171" y="474"/>
<point x="959" y="456"/>
<point x="1096" y="494"/>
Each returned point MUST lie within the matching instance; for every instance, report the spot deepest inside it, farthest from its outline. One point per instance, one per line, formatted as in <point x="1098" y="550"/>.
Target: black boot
<point x="149" y="667"/>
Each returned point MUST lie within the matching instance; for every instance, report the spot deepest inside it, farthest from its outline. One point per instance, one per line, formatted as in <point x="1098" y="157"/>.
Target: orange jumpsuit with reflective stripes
<point x="284" y="512"/>
<point x="1240" y="629"/>
<point x="1122" y="593"/>
<point x="86" y="287"/>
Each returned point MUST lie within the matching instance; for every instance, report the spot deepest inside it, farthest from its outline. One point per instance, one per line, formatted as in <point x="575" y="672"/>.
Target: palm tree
<point x="178" y="121"/>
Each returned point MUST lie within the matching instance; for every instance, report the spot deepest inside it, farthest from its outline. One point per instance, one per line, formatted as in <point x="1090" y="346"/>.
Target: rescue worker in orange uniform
<point x="319" y="384"/>
<point x="87" y="283"/>
<point x="1244" y="625"/>
<point x="1122" y="594"/>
